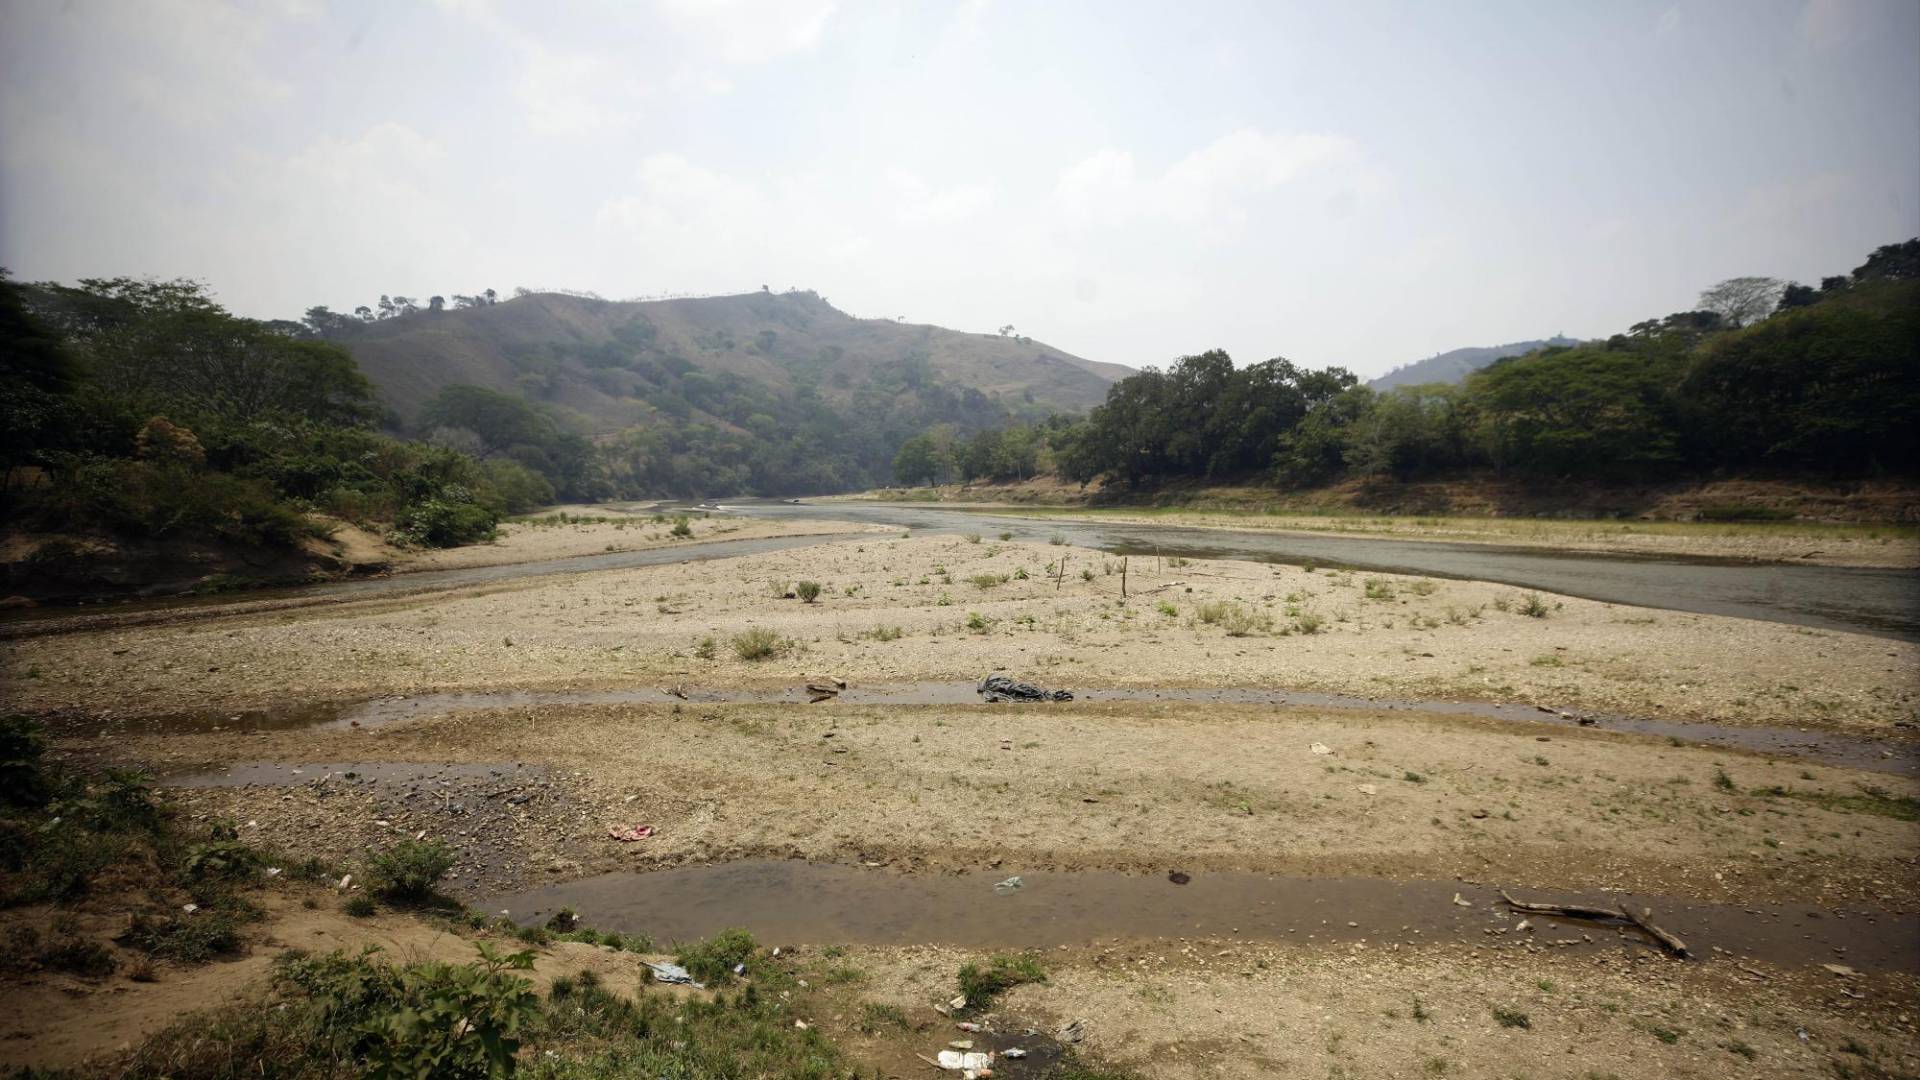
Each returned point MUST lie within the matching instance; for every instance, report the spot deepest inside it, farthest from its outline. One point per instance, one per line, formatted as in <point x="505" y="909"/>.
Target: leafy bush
<point x="409" y="870"/>
<point x="1533" y="607"/>
<point x="448" y="520"/>
<point x="682" y="527"/>
<point x="428" y="1019"/>
<point x="807" y="591"/>
<point x="23" y="780"/>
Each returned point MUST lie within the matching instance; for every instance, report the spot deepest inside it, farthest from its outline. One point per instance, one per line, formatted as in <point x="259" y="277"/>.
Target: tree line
<point x="1763" y="375"/>
<point x="144" y="408"/>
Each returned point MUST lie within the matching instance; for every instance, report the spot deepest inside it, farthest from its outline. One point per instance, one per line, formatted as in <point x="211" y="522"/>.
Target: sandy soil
<point x="1377" y="635"/>
<point x="596" y="530"/>
<point x="1070" y="787"/>
<point x="1198" y="1008"/>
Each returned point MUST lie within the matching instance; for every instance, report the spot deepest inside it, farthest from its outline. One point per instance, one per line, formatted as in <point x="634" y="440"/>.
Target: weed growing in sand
<point x="1546" y="660"/>
<point x="712" y="961"/>
<point x="971" y="538"/>
<point x="758" y="643"/>
<point x="979" y="623"/>
<point x="1056" y="540"/>
<point x="1502" y="604"/>
<point x="1379" y="589"/>
<point x="1510" y="1018"/>
<point x="1533" y="607"/>
<point x="807" y="591"/>
<point x="988" y="581"/>
<point x="682" y="528"/>
<point x="883" y="633"/>
<point x="1006" y="536"/>
<point x="980" y="985"/>
<point x="778" y="589"/>
<point x="1308" y="622"/>
<point x="1167" y="609"/>
<point x="359" y="907"/>
<point x="409" y="870"/>
<point x="706" y="649"/>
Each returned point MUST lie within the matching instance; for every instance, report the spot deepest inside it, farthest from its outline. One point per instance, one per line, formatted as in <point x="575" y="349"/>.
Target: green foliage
<point x="415" y="1020"/>
<point x="187" y="939"/>
<point x="1828" y="383"/>
<point x="163" y="416"/>
<point x="807" y="591"/>
<point x="409" y="870"/>
<point x="682" y="528"/>
<point x="981" y="984"/>
<point x="712" y="961"/>
<point x="23" y="744"/>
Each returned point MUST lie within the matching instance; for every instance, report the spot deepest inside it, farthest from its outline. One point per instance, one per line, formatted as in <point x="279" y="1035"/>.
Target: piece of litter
<point x="1007" y="886"/>
<point x="958" y="1003"/>
<point x="1369" y="789"/>
<point x="801" y="1024"/>
<point x="1460" y="902"/>
<point x="968" y="1061"/>
<point x="670" y="973"/>
<point x="273" y="871"/>
<point x="630" y="833"/>
<point x="967" y="1025"/>
<point x="345" y="883"/>
<point x="1072" y="1031"/>
<point x="1014" y="1052"/>
<point x="739" y="969"/>
<point x="961" y="1044"/>
<point x="191" y="908"/>
<point x="1321" y="748"/>
<point x="1841" y="970"/>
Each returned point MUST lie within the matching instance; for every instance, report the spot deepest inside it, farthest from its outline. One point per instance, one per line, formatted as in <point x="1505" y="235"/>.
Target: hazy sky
<point x="1353" y="183"/>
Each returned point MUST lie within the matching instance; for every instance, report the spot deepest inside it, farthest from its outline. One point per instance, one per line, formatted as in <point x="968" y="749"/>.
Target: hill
<point x="762" y="393"/>
<point x="1455" y="366"/>
<point x="607" y="365"/>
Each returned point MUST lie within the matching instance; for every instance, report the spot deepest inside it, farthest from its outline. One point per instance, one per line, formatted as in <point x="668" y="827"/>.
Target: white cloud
<point x="1214" y="185"/>
<point x="919" y="203"/>
<point x="750" y="31"/>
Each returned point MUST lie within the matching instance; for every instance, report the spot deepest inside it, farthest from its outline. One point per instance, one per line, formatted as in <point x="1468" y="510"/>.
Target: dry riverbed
<point x="893" y="610"/>
<point x="526" y="792"/>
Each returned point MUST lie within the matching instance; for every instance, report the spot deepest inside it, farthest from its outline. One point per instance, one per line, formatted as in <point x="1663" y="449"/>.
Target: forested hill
<point x="1455" y="366"/>
<point x="604" y="366"/>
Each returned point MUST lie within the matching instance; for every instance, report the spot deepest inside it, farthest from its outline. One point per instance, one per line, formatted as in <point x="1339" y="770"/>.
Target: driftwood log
<point x="1643" y="919"/>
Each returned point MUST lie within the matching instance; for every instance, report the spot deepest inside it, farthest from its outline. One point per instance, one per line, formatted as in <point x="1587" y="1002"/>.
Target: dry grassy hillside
<point x="610" y="361"/>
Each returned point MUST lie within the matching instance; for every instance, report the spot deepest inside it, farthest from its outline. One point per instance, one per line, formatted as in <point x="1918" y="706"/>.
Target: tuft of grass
<point x="358" y="906"/>
<point x="988" y="581"/>
<point x="707" y="648"/>
<point x="1533" y="607"/>
<point x="758" y="643"/>
<point x="981" y="984"/>
<point x="971" y="538"/>
<point x="408" y="871"/>
<point x="1512" y="1018"/>
<point x="1308" y="622"/>
<point x="1006" y="536"/>
<point x="883" y="633"/>
<point x="712" y="961"/>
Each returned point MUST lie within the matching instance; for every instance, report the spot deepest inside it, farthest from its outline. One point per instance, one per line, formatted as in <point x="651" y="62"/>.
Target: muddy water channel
<point x="1899" y="758"/>
<point x="808" y="903"/>
<point x="1875" y="601"/>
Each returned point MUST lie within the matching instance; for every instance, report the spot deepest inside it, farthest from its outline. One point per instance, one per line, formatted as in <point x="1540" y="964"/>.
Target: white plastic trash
<point x="955" y="1059"/>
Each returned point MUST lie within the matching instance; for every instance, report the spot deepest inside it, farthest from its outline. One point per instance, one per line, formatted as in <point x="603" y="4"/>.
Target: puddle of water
<point x="286" y="774"/>
<point x="1854" y="752"/>
<point x="784" y="902"/>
